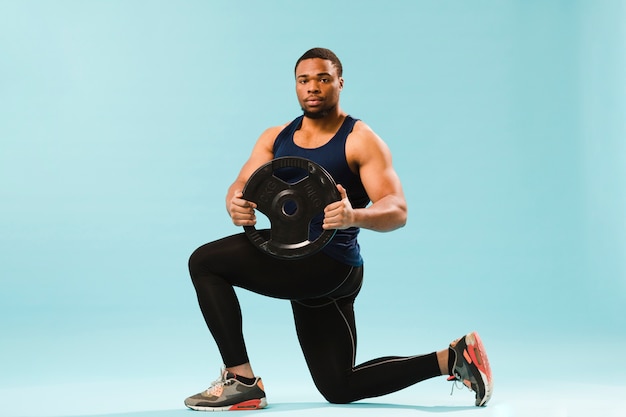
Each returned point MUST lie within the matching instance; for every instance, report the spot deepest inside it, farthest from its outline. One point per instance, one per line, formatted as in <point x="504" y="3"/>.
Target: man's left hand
<point x="340" y="214"/>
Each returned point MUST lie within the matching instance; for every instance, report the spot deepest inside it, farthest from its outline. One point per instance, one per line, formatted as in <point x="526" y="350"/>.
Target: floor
<point x="147" y="371"/>
<point x="514" y="398"/>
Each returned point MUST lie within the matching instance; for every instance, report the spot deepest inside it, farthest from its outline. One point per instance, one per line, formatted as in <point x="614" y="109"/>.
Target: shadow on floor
<point x="284" y="407"/>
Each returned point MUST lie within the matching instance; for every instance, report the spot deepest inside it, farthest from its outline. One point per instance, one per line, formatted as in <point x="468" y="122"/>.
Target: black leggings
<point x="322" y="293"/>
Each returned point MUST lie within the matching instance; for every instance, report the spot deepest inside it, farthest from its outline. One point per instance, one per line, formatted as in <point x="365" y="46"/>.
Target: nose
<point x="314" y="87"/>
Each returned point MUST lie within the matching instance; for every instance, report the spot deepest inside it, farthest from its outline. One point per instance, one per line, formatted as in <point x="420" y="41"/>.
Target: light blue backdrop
<point x="122" y="123"/>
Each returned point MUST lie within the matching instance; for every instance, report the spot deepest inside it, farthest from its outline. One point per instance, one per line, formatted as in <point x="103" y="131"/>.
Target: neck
<point x="327" y="122"/>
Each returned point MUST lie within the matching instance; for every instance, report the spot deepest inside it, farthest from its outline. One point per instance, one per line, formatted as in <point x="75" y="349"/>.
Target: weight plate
<point x="290" y="206"/>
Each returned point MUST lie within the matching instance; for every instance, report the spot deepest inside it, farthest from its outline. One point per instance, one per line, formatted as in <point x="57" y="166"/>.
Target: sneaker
<point x="471" y="367"/>
<point x="229" y="394"/>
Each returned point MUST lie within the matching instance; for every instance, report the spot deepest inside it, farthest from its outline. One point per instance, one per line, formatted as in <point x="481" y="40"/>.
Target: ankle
<point x="451" y="361"/>
<point x="244" y="370"/>
<point x="245" y="380"/>
<point x="445" y="358"/>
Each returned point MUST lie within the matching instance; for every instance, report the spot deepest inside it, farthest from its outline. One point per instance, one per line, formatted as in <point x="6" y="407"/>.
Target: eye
<point x="325" y="80"/>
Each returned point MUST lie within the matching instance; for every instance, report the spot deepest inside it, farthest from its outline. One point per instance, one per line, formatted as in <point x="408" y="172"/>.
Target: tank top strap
<point x="346" y="127"/>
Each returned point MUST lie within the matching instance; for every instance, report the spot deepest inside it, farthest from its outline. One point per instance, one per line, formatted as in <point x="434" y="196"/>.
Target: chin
<point x="320" y="114"/>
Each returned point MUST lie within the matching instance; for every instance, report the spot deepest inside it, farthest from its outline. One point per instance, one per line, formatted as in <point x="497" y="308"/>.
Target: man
<point x="322" y="288"/>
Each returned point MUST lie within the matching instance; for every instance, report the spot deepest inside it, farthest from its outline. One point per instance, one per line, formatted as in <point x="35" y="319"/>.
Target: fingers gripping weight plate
<point x="290" y="206"/>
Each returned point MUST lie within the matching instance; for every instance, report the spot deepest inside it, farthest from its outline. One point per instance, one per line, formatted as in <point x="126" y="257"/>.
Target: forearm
<point x="385" y="215"/>
<point x="238" y="185"/>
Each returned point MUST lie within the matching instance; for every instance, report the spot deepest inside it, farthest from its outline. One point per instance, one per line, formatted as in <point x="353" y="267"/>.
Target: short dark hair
<point x="322" y="53"/>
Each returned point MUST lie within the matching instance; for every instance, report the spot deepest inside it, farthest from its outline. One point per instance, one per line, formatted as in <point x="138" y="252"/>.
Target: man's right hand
<point x="241" y="211"/>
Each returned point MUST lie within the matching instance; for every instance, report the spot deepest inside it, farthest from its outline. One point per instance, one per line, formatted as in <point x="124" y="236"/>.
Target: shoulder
<point x="270" y="134"/>
<point x="275" y="130"/>
<point x="363" y="142"/>
<point x="364" y="133"/>
<point x="362" y="128"/>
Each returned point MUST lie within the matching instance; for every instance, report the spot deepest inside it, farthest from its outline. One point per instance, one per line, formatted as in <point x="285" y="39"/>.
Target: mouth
<point x="313" y="101"/>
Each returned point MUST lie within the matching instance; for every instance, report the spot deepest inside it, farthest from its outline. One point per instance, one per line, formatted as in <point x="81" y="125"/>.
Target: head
<point x="322" y="53"/>
<point x="318" y="82"/>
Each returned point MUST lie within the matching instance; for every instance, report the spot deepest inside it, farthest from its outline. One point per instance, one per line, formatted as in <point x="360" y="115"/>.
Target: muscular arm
<point x="371" y="157"/>
<point x="240" y="210"/>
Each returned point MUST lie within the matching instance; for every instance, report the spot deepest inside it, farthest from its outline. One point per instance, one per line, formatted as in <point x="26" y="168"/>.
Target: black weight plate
<point x="290" y="207"/>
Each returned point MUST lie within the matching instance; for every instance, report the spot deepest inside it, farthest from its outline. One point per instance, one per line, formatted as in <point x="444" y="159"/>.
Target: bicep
<point x="377" y="172"/>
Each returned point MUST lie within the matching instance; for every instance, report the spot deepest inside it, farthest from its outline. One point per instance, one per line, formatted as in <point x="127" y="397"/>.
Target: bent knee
<point x="193" y="262"/>
<point x="338" y="398"/>
<point x="199" y="264"/>
<point x="336" y="394"/>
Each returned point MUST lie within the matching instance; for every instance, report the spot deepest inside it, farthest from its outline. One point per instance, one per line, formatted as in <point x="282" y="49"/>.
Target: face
<point x="318" y="87"/>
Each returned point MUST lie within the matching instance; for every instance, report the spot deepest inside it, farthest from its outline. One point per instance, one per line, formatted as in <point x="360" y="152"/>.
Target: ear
<point x="341" y="83"/>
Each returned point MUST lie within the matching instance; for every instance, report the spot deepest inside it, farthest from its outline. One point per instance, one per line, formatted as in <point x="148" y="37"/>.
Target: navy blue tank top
<point x="344" y="246"/>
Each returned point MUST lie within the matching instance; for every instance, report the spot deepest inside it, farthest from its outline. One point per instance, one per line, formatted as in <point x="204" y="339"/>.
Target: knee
<point x="336" y="393"/>
<point x="195" y="263"/>
<point x="337" y="397"/>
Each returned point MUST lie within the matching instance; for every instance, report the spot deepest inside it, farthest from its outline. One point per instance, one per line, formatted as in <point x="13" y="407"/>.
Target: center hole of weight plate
<point x="290" y="207"/>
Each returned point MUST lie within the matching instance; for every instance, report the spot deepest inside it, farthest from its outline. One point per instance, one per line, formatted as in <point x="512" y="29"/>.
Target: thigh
<point x="241" y="264"/>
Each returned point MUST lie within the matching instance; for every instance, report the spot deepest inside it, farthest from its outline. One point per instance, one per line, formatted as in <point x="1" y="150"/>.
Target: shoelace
<point x="219" y="383"/>
<point x="456" y="380"/>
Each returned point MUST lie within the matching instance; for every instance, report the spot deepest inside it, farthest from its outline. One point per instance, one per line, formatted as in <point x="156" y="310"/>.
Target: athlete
<point x="322" y="287"/>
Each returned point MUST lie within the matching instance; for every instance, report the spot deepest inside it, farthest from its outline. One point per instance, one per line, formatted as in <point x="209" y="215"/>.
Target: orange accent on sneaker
<point x="467" y="356"/>
<point x="260" y="384"/>
<point x="474" y="354"/>
<point x="476" y="351"/>
<point x="246" y="405"/>
<point x="216" y="390"/>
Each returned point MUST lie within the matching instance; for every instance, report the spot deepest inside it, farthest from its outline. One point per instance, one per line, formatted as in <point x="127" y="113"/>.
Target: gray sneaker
<point x="229" y="394"/>
<point x="471" y="367"/>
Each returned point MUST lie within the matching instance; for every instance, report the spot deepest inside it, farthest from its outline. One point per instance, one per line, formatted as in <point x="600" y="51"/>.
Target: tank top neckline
<point x="333" y="138"/>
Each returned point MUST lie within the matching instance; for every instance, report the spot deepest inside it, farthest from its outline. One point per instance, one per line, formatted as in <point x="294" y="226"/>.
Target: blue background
<point x="122" y="123"/>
